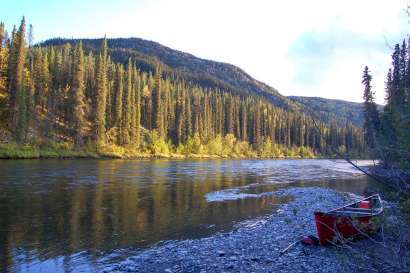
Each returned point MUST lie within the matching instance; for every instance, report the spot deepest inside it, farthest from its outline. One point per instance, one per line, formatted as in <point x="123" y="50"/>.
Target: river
<point x="83" y="215"/>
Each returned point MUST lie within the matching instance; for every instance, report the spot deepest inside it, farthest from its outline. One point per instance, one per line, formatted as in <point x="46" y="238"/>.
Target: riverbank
<point x="13" y="151"/>
<point x="254" y="246"/>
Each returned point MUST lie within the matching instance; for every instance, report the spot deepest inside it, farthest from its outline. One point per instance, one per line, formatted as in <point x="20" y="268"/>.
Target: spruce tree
<point x="372" y="123"/>
<point x="18" y="103"/>
<point x="133" y="131"/>
<point x="119" y="101"/>
<point x="101" y="95"/>
<point x="3" y="60"/>
<point x="137" y="86"/>
<point x="126" y="128"/>
<point x="156" y="104"/>
<point x="78" y="93"/>
<point x="188" y="117"/>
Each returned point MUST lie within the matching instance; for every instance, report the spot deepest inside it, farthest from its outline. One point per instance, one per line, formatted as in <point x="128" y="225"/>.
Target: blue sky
<point x="310" y="48"/>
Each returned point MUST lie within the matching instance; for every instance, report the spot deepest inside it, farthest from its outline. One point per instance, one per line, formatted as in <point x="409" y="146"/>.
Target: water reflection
<point x="74" y="215"/>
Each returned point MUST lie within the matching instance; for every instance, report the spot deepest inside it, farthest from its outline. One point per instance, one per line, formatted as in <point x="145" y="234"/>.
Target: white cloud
<point x="257" y="36"/>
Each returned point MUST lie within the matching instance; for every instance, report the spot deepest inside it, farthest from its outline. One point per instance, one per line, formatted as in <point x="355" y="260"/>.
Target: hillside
<point x="330" y="109"/>
<point x="179" y="64"/>
<point x="128" y="97"/>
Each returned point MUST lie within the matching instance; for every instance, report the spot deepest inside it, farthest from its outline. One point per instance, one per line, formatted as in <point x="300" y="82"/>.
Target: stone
<point x="221" y="253"/>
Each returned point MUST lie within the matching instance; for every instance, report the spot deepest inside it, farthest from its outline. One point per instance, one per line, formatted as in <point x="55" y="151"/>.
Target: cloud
<point x="328" y="58"/>
<point x="312" y="48"/>
<point x="329" y="63"/>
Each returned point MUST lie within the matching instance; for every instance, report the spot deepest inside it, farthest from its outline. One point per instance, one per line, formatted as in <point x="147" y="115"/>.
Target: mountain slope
<point x="328" y="109"/>
<point x="180" y="64"/>
<point x="207" y="73"/>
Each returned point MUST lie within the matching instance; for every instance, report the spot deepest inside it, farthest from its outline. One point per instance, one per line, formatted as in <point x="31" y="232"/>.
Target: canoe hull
<point x="333" y="229"/>
<point x="349" y="222"/>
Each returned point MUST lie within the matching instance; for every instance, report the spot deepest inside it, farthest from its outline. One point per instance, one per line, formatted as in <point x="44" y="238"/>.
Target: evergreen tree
<point x="78" y="93"/>
<point x="101" y="95"/>
<point x="137" y="110"/>
<point x="372" y="123"/>
<point x="119" y="101"/>
<point x="30" y="37"/>
<point x="126" y="128"/>
<point x="188" y="117"/>
<point x="156" y="104"/>
<point x="133" y="131"/>
<point x="18" y="98"/>
<point x="3" y="60"/>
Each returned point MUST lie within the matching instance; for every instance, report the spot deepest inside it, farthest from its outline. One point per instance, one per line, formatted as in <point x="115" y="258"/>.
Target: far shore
<point x="73" y="154"/>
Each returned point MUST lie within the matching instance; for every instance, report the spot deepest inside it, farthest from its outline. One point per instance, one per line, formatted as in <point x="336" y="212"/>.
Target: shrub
<point x="157" y="145"/>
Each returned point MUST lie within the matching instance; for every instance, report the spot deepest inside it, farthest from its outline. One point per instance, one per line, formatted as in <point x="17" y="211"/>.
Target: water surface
<point x="83" y="215"/>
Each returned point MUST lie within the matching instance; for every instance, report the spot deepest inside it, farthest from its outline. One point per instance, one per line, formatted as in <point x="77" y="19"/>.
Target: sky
<point x="305" y="48"/>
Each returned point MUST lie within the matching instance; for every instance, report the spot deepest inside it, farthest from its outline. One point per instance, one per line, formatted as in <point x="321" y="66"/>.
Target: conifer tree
<point x="188" y="117"/>
<point x="126" y="127"/>
<point x="45" y="81"/>
<point x="372" y="123"/>
<point x="133" y="131"/>
<point x="156" y="104"/>
<point x="18" y="103"/>
<point x="101" y="95"/>
<point x="30" y="37"/>
<point x="137" y="86"/>
<point x="3" y="59"/>
<point x="2" y="30"/>
<point x="118" y="101"/>
<point x="180" y="116"/>
<point x="78" y="93"/>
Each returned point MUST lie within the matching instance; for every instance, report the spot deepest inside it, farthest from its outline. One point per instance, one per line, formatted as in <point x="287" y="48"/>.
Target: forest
<point x="387" y="132"/>
<point x="65" y="100"/>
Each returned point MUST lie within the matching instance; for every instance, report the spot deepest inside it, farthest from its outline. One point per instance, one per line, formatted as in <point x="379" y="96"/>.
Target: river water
<point x="83" y="215"/>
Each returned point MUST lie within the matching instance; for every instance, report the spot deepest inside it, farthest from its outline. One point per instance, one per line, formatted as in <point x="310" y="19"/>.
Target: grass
<point x="13" y="151"/>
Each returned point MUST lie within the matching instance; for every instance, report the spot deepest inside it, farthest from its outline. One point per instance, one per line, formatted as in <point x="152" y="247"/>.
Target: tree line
<point x="387" y="133"/>
<point x="64" y="94"/>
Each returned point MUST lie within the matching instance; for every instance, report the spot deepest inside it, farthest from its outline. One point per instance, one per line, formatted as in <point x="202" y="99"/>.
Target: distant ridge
<point x="327" y="109"/>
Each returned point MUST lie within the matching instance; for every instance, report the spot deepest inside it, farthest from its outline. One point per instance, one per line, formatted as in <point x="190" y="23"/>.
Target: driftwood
<point x="290" y="246"/>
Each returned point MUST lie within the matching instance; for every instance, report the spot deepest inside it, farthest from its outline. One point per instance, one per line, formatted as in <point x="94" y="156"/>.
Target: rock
<point x="251" y="247"/>
<point x="233" y="258"/>
<point x="221" y="253"/>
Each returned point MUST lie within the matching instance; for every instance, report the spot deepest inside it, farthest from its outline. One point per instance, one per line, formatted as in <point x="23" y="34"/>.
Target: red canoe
<point x="349" y="222"/>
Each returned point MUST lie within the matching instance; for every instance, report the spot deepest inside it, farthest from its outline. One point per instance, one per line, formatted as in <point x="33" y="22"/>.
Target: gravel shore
<point x="254" y="247"/>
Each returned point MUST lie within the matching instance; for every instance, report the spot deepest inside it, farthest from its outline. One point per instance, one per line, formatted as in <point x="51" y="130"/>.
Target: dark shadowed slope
<point x="328" y="109"/>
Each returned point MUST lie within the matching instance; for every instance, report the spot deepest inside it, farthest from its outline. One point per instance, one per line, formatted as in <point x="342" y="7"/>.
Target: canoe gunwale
<point x="348" y="210"/>
<point x="349" y="221"/>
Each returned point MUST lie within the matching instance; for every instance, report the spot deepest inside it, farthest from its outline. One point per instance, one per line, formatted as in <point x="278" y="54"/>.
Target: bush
<point x="157" y="145"/>
<point x="215" y="146"/>
<point x="13" y="150"/>
<point x="194" y="146"/>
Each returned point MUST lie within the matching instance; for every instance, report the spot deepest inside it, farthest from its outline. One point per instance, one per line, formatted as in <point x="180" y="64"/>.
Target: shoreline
<point x="253" y="247"/>
<point x="66" y="154"/>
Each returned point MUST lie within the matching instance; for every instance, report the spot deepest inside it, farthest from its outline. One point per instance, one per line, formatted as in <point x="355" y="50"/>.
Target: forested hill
<point x="125" y="97"/>
<point x="183" y="65"/>
<point x="330" y="109"/>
